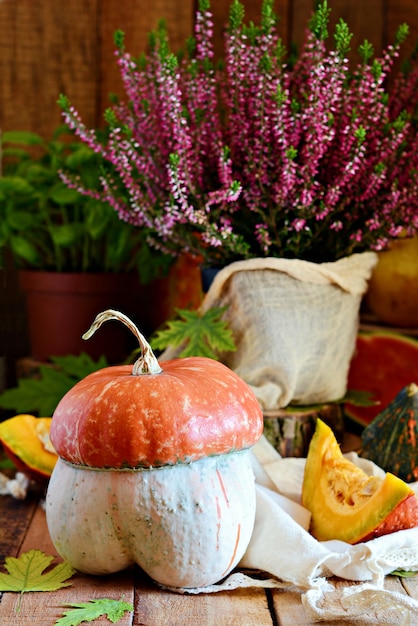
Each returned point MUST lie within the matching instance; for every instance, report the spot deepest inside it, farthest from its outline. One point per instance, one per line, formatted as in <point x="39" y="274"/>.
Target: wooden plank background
<point x="49" y="47"/>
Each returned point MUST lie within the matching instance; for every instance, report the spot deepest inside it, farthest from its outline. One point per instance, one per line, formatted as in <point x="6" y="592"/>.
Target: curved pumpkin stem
<point x="147" y="362"/>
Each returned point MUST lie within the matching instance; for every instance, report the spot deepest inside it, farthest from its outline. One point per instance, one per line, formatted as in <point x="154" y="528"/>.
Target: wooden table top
<point x="23" y="527"/>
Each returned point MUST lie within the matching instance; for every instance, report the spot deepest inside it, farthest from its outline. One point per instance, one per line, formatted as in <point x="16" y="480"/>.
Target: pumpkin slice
<point x="392" y="437"/>
<point x="26" y="442"/>
<point x="382" y="365"/>
<point x="345" y="502"/>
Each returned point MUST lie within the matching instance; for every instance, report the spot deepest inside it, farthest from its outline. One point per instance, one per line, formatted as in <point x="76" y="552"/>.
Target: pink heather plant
<point x="258" y="156"/>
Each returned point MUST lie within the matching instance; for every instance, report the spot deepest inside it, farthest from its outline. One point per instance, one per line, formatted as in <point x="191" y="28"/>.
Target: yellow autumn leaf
<point x="27" y="573"/>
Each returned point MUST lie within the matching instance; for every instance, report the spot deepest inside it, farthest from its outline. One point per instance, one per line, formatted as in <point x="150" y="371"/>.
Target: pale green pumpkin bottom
<point x="186" y="525"/>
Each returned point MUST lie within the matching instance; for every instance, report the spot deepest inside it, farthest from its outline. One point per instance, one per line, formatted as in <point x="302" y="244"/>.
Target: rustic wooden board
<point x="43" y="609"/>
<point x="410" y="585"/>
<point x="15" y="516"/>
<point x="46" y="47"/>
<point x="398" y="12"/>
<point x="356" y="14"/>
<point x="154" y="606"/>
<point x="137" y="19"/>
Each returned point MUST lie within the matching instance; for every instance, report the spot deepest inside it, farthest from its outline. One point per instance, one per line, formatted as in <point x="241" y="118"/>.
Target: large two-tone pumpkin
<point x="154" y="469"/>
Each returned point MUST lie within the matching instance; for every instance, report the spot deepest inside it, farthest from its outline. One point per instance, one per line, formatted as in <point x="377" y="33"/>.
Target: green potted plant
<point x="262" y="155"/>
<point x="66" y="245"/>
<point x="290" y="173"/>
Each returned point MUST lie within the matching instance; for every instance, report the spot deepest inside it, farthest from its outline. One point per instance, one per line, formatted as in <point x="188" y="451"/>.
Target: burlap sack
<point x="294" y="323"/>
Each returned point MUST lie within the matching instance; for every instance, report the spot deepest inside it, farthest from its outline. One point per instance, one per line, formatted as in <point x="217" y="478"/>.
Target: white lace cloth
<point x="282" y="547"/>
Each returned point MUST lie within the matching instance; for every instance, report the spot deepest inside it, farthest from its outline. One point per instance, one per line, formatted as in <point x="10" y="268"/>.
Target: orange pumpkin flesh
<point x="25" y="440"/>
<point x="345" y="502"/>
<point x="154" y="469"/>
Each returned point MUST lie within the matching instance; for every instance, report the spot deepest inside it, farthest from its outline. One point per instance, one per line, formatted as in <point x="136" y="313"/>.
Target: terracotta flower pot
<point x="180" y="289"/>
<point x="61" y="307"/>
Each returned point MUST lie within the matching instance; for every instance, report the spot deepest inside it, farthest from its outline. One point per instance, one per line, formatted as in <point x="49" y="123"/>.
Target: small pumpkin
<point x="154" y="468"/>
<point x="391" y="440"/>
<point x="25" y="439"/>
<point x="392" y="293"/>
<point x="345" y="502"/>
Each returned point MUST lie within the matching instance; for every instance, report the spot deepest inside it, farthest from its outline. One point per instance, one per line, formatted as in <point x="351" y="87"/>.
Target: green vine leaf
<point x="403" y="574"/>
<point x="27" y="573"/>
<point x="359" y="397"/>
<point x="202" y="334"/>
<point x="353" y="396"/>
<point x="89" y="611"/>
<point x="41" y="395"/>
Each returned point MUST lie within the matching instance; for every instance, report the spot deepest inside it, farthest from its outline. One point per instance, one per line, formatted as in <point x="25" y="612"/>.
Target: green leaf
<point x="319" y="22"/>
<point x="6" y="463"/>
<point x="119" y="241"/>
<point x="402" y="573"/>
<point x="352" y="396"/>
<point x="61" y="194"/>
<point x="236" y="15"/>
<point x="89" y="611"/>
<point x="152" y="264"/>
<point x="42" y="395"/>
<point x="97" y="219"/>
<point x="39" y="175"/>
<point x="66" y="235"/>
<point x="366" y="51"/>
<point x="204" y="335"/>
<point x="27" y="573"/>
<point x="342" y="38"/>
<point x="22" y="220"/>
<point x="402" y="33"/>
<point x="16" y="185"/>
<point x="80" y="156"/>
<point x="24" y="137"/>
<point x="24" y="249"/>
<point x="78" y="366"/>
<point x="359" y="398"/>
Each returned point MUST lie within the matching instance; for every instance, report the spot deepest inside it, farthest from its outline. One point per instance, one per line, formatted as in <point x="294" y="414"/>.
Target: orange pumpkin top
<point x="192" y="408"/>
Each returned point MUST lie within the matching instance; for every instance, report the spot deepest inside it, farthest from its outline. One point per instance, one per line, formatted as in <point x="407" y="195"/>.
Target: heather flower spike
<point x="257" y="155"/>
